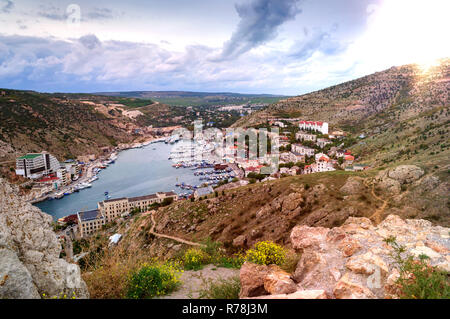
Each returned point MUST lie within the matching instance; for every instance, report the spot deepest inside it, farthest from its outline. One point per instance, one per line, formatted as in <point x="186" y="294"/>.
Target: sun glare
<point x="407" y="31"/>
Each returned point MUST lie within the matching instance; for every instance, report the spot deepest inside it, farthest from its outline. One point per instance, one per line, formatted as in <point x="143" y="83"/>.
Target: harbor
<point x="134" y="172"/>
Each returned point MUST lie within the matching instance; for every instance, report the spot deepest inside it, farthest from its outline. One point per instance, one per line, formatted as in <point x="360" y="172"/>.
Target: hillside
<point x="240" y="217"/>
<point x="403" y="111"/>
<point x="185" y="98"/>
<point x="32" y="122"/>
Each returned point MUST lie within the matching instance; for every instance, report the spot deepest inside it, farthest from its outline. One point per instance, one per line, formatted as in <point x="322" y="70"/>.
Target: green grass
<point x="221" y="289"/>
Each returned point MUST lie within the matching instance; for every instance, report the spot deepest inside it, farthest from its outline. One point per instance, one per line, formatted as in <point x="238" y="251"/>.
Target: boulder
<point x="389" y="185"/>
<point x="252" y="280"/>
<point x="346" y="288"/>
<point x="277" y="281"/>
<point x="366" y="264"/>
<point x="292" y="201"/>
<point x="406" y="174"/>
<point x="303" y="237"/>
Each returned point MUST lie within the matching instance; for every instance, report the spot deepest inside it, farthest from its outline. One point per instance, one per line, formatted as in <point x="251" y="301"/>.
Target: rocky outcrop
<point x="354" y="261"/>
<point x="29" y="253"/>
<point x="354" y="185"/>
<point x="406" y="174"/>
<point x="390" y="181"/>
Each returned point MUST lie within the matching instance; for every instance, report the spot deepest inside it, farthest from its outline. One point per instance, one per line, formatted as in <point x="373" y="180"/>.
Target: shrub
<point x="221" y="289"/>
<point x="194" y="259"/>
<point x="266" y="253"/>
<point x="167" y="201"/>
<point x="418" y="280"/>
<point x="153" y="280"/>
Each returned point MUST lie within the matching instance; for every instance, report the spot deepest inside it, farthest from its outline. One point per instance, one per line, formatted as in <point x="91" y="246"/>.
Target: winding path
<point x="180" y="240"/>
<point x="378" y="214"/>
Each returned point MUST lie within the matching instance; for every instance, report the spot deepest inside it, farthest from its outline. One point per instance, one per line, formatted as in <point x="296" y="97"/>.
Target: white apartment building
<point x="322" y="142"/>
<point x="302" y="150"/>
<point x="36" y="165"/>
<point x="304" y="136"/>
<point x="321" y="127"/>
<point x="111" y="209"/>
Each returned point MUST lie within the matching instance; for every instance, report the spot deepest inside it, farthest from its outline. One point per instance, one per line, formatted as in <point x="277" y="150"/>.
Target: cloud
<point x="90" y="41"/>
<point x="6" y="6"/>
<point x="316" y="41"/>
<point x="87" y="64"/>
<point x="100" y="14"/>
<point x="59" y="13"/>
<point x="259" y="21"/>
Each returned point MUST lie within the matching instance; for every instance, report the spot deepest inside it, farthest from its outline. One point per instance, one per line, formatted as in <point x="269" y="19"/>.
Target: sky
<point x="286" y="47"/>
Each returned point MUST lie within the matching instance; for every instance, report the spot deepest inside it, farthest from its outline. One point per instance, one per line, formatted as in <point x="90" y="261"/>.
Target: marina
<point x="134" y="172"/>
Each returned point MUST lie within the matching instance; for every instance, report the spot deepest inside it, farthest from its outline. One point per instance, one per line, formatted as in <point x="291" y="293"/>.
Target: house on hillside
<point x="322" y="142"/>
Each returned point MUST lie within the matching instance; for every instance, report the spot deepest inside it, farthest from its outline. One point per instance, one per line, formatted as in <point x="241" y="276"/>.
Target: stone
<point x="308" y="237"/>
<point x="406" y="174"/>
<point x="278" y="281"/>
<point x="29" y="263"/>
<point x="15" y="279"/>
<point x="239" y="241"/>
<point x="348" y="289"/>
<point x="349" y="246"/>
<point x="300" y="294"/>
<point x="366" y="264"/>
<point x="252" y="280"/>
<point x="292" y="201"/>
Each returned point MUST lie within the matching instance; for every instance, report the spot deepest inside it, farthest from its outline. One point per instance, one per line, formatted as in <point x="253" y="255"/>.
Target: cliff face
<point x="29" y="253"/>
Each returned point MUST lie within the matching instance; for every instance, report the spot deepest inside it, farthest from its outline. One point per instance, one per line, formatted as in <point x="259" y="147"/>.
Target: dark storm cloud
<point x="316" y="41"/>
<point x="259" y="21"/>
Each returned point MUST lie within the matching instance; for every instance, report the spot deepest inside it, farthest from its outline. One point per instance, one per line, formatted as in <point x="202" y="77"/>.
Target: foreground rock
<point x="353" y="261"/>
<point x="29" y="253"/>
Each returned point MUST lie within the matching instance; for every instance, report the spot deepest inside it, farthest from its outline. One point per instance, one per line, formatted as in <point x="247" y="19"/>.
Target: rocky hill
<point x="340" y="212"/>
<point x="30" y="266"/>
<point x="403" y="112"/>
<point x="66" y="127"/>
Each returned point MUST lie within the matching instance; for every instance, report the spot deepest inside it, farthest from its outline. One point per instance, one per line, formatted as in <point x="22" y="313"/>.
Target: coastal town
<point x="300" y="147"/>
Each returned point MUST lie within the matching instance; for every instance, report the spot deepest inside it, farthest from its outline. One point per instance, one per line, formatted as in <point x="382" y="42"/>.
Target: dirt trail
<point x="378" y="214"/>
<point x="194" y="281"/>
<point x="180" y="240"/>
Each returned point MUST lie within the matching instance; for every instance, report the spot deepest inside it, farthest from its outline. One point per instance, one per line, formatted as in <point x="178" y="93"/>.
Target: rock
<point x="239" y="241"/>
<point x="252" y="280"/>
<point x="389" y="185"/>
<point x="29" y="260"/>
<point x="406" y="174"/>
<point x="300" y="294"/>
<point x="349" y="246"/>
<point x="278" y="281"/>
<point x="353" y="185"/>
<point x="348" y="289"/>
<point x="354" y="260"/>
<point x="366" y="264"/>
<point x="308" y="237"/>
<point x="15" y="279"/>
<point x="292" y="201"/>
